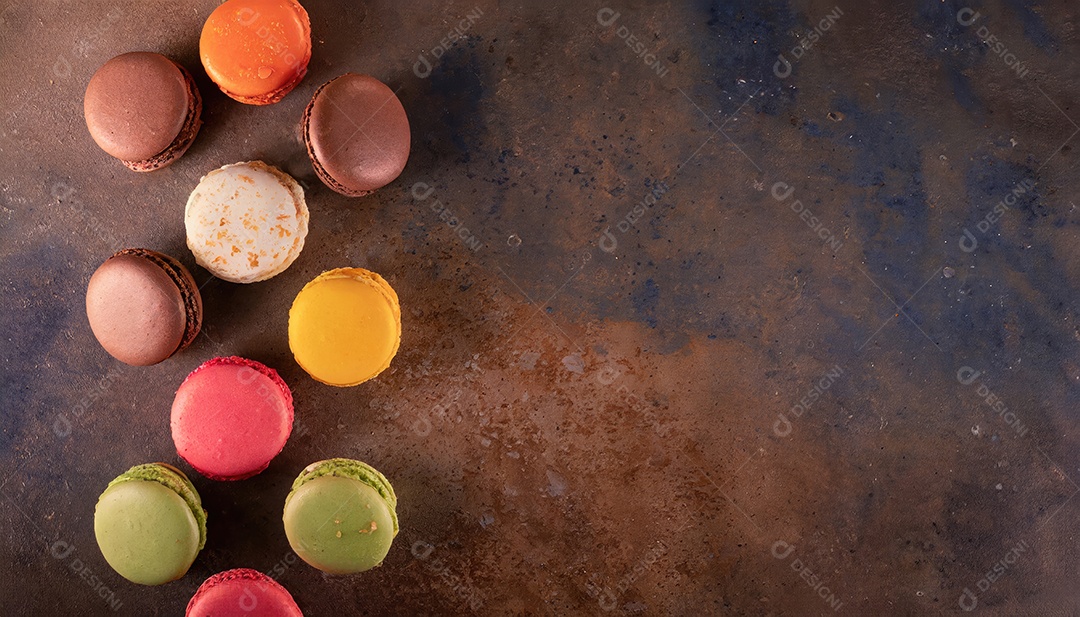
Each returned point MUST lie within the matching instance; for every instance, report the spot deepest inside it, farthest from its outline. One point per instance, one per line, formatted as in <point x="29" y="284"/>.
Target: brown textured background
<point x="571" y="430"/>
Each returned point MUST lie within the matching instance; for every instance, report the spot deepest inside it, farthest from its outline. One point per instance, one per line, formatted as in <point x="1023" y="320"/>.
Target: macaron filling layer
<point x="320" y="171"/>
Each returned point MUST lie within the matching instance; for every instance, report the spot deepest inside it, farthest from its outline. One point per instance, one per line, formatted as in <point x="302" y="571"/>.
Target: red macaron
<point x="231" y="417"/>
<point x="242" y="592"/>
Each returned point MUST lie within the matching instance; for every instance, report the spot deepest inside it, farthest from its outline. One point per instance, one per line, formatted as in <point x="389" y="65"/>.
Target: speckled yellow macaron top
<point x="246" y="222"/>
<point x="345" y="326"/>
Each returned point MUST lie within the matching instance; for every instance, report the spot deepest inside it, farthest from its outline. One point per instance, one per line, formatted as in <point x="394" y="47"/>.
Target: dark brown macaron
<point x="357" y="134"/>
<point x="143" y="306"/>
<point x="143" y="109"/>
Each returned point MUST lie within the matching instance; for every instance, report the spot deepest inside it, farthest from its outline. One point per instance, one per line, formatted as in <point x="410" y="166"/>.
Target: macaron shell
<point x="357" y="134"/>
<point x="345" y="326"/>
<point x="231" y="417"/>
<point x="338" y="525"/>
<point x="136" y="104"/>
<point x="246" y="222"/>
<point x="242" y="592"/>
<point x="256" y="51"/>
<point x="135" y="310"/>
<point x="146" y="532"/>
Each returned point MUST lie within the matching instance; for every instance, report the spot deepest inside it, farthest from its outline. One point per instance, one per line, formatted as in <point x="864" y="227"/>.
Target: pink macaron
<point x="231" y="417"/>
<point x="242" y="592"/>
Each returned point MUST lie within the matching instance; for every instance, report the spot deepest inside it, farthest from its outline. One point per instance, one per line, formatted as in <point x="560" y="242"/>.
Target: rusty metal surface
<point x="832" y="370"/>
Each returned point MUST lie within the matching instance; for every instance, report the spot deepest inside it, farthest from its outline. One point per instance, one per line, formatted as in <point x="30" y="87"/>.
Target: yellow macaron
<point x="345" y="326"/>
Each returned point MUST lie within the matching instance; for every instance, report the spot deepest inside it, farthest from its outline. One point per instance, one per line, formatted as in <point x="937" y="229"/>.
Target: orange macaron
<point x="256" y="51"/>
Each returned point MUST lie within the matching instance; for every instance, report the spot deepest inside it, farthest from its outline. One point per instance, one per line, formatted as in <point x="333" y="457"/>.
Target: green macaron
<point x="150" y="524"/>
<point x="341" y="516"/>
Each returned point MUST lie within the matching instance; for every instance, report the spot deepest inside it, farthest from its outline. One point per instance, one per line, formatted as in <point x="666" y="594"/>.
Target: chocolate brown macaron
<point x="143" y="306"/>
<point x="143" y="109"/>
<point x="357" y="134"/>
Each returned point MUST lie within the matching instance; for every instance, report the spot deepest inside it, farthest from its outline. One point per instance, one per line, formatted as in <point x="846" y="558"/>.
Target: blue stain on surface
<point x="1011" y="320"/>
<point x="940" y="19"/>
<point x="812" y="129"/>
<point x="37" y="278"/>
<point x="961" y="88"/>
<point x="990" y="179"/>
<point x="749" y="37"/>
<point x="892" y="210"/>
<point x="847" y="331"/>
<point x="980" y="315"/>
<point x="1021" y="240"/>
<point x="449" y="111"/>
<point x="882" y="143"/>
<point x="954" y="45"/>
<point x="646" y="298"/>
<point x="866" y="213"/>
<point x="1034" y="28"/>
<point x="910" y="209"/>
<point x="415" y="233"/>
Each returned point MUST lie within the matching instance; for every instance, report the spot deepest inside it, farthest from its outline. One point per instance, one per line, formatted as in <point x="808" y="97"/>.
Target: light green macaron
<point x="150" y="524"/>
<point x="341" y="516"/>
